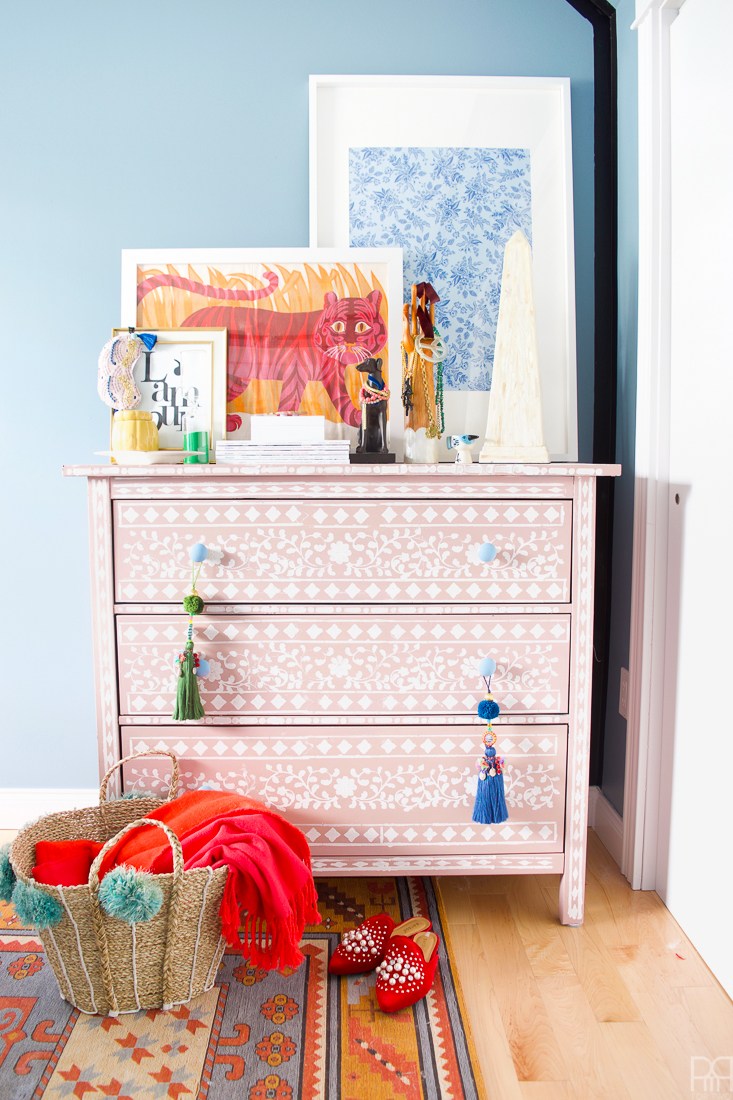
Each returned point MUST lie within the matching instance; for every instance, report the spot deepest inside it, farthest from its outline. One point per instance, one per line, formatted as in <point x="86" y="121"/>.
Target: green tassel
<point x="188" y="700"/>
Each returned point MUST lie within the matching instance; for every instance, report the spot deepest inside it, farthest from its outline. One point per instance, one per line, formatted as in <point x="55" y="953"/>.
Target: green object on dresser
<point x="188" y="700"/>
<point x="196" y="441"/>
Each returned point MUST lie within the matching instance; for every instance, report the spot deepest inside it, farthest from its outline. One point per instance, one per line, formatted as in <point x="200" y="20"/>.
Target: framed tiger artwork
<point x="299" y="323"/>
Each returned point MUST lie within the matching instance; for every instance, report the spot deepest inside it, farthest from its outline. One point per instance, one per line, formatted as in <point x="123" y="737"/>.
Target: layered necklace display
<point x="371" y="394"/>
<point x="423" y="353"/>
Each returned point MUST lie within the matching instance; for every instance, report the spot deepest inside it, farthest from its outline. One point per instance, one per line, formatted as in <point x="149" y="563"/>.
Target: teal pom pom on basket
<point x="130" y="895"/>
<point x="35" y="907"/>
<point x="7" y="874"/>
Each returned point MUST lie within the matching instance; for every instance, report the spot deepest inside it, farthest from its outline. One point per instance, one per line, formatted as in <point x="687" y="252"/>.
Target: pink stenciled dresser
<point x="344" y="625"/>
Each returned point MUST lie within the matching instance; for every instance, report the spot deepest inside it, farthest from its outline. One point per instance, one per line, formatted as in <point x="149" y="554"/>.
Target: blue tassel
<point x="490" y="806"/>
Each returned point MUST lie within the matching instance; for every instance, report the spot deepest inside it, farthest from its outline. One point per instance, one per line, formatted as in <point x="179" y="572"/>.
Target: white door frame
<point x="652" y="489"/>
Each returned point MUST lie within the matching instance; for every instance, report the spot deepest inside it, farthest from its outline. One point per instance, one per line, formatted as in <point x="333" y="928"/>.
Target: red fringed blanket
<point x="269" y="890"/>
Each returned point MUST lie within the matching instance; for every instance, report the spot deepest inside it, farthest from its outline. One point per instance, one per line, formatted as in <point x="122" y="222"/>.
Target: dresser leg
<point x="572" y="884"/>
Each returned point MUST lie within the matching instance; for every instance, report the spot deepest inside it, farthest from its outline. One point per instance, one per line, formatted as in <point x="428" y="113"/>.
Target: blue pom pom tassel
<point x="488" y="709"/>
<point x="7" y="874"/>
<point x="130" y="895"/>
<point x="490" y="806"/>
<point x="35" y="907"/>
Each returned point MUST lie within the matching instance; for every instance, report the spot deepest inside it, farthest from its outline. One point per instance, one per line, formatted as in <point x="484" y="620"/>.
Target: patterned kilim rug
<point x="293" y="1035"/>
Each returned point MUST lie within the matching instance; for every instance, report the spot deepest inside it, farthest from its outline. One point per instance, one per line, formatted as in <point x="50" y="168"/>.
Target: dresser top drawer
<point x="347" y="551"/>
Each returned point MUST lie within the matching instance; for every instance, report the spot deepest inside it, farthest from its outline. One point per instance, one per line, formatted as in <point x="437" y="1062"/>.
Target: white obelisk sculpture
<point x="514" y="426"/>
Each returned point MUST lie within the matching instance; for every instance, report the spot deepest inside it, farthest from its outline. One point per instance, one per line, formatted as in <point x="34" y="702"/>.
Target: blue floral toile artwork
<point x="452" y="212"/>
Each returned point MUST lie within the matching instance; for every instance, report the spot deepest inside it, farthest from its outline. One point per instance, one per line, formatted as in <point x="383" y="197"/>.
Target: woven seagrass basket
<point x="104" y="965"/>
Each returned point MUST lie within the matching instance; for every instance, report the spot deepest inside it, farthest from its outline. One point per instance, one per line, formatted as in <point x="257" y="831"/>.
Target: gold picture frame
<point x="185" y="369"/>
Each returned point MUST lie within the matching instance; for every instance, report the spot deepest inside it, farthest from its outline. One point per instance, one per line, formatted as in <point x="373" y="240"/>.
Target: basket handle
<point x="135" y="756"/>
<point x="137" y="824"/>
<point x="99" y="931"/>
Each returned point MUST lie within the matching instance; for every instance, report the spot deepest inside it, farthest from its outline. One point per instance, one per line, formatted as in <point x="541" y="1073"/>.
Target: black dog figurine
<point x="374" y="398"/>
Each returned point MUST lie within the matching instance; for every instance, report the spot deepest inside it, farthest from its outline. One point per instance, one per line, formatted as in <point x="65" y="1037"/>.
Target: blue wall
<point x="614" y="753"/>
<point x="156" y="124"/>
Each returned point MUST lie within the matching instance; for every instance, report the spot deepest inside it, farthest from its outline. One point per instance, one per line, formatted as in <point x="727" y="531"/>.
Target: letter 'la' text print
<point x="452" y="211"/>
<point x="175" y="383"/>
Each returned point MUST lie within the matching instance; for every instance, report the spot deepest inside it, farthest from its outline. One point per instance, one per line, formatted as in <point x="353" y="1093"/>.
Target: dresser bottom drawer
<point x="359" y="793"/>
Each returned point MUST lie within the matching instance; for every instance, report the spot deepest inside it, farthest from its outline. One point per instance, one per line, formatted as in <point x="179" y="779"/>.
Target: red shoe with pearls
<point x="363" y="948"/>
<point x="407" y="971"/>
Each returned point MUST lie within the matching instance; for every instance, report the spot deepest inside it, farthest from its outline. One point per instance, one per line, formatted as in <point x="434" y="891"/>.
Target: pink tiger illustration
<point x="292" y="347"/>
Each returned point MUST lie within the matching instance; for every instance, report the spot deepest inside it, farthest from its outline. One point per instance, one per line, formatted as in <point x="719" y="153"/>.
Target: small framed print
<point x="184" y="375"/>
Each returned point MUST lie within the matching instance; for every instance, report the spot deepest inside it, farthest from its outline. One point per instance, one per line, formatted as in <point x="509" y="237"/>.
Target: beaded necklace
<point x="426" y="351"/>
<point x="371" y="396"/>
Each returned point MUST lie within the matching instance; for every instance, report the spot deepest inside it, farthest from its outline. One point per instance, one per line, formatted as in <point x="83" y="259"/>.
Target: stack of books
<point x="246" y="452"/>
<point x="284" y="439"/>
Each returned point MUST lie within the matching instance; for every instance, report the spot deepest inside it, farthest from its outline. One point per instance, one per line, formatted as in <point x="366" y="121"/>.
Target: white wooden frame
<point x="644" y="740"/>
<point x="483" y="112"/>
<point x="388" y="258"/>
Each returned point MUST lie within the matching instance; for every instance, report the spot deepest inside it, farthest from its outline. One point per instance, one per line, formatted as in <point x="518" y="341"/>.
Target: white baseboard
<point x="607" y="822"/>
<point x="19" y="805"/>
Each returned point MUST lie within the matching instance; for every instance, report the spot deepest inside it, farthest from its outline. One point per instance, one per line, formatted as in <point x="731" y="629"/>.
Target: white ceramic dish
<point x="147" y="458"/>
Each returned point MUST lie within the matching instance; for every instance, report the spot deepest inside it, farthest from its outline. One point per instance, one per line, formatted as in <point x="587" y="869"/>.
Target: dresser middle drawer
<point x="347" y="665"/>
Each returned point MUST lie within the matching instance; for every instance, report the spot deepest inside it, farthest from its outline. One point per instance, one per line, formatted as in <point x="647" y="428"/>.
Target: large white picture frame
<point x="493" y="113"/>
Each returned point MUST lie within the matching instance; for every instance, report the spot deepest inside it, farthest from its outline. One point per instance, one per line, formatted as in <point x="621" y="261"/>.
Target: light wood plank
<point x="666" y="1015"/>
<point x="547" y="1090"/>
<point x="594" y="1071"/>
<point x="538" y="928"/>
<point x="536" y="1053"/>
<point x="640" y="1062"/>
<point x="482" y="1005"/>
<point x="712" y="1011"/>
<point x="456" y="895"/>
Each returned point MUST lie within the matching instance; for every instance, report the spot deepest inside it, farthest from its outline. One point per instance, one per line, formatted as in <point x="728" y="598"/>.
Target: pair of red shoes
<point x="405" y="957"/>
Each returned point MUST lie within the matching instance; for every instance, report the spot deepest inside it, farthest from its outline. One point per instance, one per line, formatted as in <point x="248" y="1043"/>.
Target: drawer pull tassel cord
<point x="191" y="665"/>
<point x="490" y="806"/>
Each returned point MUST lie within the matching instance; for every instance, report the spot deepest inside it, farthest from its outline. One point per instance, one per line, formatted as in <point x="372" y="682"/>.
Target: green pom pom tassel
<point x="130" y="895"/>
<point x="188" y="700"/>
<point x="7" y="874"/>
<point x="193" y="604"/>
<point x="35" y="907"/>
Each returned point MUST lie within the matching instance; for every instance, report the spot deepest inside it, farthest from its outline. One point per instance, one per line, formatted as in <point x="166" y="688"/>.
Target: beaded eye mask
<point x="115" y="379"/>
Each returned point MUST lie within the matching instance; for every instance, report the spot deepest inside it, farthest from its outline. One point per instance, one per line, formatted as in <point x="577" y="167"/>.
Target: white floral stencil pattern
<point x="452" y="211"/>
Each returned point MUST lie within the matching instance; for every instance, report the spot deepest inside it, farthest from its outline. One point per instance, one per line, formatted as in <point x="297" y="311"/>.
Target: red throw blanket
<point x="269" y="891"/>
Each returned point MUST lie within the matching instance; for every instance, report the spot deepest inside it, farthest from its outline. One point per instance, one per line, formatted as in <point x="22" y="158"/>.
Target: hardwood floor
<point x="615" y="1009"/>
